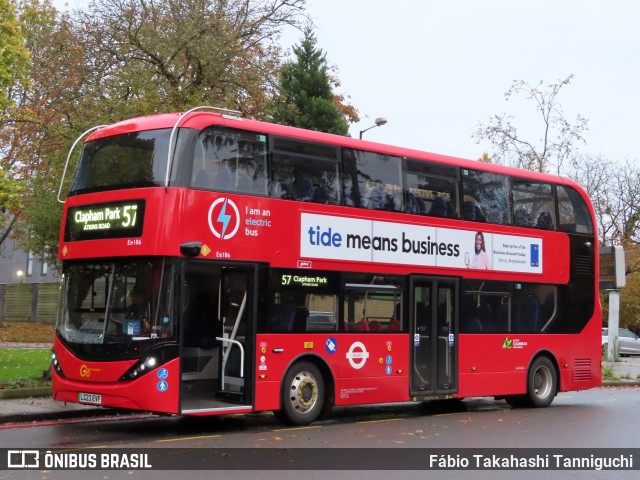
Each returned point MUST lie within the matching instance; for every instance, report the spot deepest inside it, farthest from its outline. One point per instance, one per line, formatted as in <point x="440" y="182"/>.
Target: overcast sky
<point x="435" y="69"/>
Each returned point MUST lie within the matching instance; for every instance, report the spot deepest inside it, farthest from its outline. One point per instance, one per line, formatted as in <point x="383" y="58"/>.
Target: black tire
<point x="303" y="394"/>
<point x="542" y="383"/>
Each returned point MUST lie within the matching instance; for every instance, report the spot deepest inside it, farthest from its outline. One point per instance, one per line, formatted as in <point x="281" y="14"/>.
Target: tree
<point x="306" y="97"/>
<point x="614" y="190"/>
<point x="11" y="191"/>
<point x="174" y="54"/>
<point x="14" y="57"/>
<point x="44" y="213"/>
<point x="122" y="58"/>
<point x="630" y="294"/>
<point x="559" y="137"/>
<point x="31" y="127"/>
<point x="485" y="158"/>
<point x="14" y="68"/>
<point x="624" y="210"/>
<point x="595" y="173"/>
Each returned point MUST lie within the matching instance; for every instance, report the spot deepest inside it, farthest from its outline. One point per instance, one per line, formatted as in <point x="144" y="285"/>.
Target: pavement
<point x="31" y="405"/>
<point x="626" y="369"/>
<point x="41" y="409"/>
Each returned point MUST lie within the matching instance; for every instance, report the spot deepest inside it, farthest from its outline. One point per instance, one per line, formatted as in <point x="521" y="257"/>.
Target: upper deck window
<point x="231" y="160"/>
<point x="431" y="189"/>
<point x="573" y="212"/>
<point x="131" y="160"/>
<point x="304" y="171"/>
<point x="485" y="197"/>
<point x="372" y="180"/>
<point x="534" y="205"/>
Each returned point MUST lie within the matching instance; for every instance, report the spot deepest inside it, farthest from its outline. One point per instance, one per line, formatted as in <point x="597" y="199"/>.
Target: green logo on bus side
<point x="507" y="343"/>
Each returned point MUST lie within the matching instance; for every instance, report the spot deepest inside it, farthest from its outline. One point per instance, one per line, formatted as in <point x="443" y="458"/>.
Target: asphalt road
<point x="599" y="418"/>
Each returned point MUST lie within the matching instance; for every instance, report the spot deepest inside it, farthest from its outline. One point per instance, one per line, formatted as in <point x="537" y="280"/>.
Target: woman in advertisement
<point x="479" y="259"/>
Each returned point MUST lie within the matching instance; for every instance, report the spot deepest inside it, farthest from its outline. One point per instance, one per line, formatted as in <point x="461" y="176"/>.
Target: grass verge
<point x="23" y="367"/>
<point x="607" y="374"/>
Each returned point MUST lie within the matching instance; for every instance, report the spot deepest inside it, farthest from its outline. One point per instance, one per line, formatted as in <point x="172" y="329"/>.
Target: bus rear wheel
<point x="542" y="385"/>
<point x="303" y="394"/>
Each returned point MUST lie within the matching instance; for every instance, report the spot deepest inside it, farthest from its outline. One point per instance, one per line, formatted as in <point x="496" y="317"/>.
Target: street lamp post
<point x="20" y="274"/>
<point x="379" y="122"/>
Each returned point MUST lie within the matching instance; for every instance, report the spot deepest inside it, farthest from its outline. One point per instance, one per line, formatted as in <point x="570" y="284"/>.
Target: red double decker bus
<point x="214" y="264"/>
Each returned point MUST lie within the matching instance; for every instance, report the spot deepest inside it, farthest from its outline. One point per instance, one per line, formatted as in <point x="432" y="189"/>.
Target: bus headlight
<point x="150" y="362"/>
<point x="55" y="364"/>
<point x="145" y="365"/>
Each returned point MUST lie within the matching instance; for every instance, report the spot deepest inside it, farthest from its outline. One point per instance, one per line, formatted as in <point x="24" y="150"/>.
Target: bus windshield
<point x="130" y="160"/>
<point x="116" y="302"/>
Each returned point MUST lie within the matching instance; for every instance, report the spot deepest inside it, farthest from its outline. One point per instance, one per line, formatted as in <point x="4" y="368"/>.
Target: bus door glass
<point x="434" y="329"/>
<point x="235" y="312"/>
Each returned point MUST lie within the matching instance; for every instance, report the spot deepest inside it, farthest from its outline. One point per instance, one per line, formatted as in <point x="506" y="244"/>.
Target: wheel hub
<point x="542" y="382"/>
<point x="305" y="392"/>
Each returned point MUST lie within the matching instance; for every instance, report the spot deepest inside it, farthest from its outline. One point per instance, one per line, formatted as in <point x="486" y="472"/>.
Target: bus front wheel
<point x="303" y="394"/>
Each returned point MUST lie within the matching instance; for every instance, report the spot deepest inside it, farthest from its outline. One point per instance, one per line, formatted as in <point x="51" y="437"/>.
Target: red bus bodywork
<point x="269" y="231"/>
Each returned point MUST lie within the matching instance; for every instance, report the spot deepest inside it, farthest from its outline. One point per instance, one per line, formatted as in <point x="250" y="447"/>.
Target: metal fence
<point x="29" y="302"/>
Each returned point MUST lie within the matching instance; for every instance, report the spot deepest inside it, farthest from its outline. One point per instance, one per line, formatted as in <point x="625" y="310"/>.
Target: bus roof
<point x="202" y="119"/>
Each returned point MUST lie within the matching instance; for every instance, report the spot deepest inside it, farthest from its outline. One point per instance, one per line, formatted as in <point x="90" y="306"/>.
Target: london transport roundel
<point x="224" y="218"/>
<point x="357" y="355"/>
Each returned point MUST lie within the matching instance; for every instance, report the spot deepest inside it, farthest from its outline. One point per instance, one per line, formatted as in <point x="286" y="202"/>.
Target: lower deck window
<point x="332" y="302"/>
<point x="508" y="307"/>
<point x="304" y="302"/>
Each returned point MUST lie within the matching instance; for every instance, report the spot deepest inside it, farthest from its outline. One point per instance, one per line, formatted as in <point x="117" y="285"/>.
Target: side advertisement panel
<point x="342" y="238"/>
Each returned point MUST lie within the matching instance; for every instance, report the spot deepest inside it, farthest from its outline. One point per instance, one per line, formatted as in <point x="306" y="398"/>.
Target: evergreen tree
<point x="306" y="97"/>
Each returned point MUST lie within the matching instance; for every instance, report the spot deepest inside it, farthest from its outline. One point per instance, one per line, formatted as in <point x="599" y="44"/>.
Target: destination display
<point x="294" y="279"/>
<point x="304" y="281"/>
<point x="121" y="219"/>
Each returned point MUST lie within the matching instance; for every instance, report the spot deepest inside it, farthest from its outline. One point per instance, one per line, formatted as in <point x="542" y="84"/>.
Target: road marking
<point x="187" y="438"/>
<point x="296" y="428"/>
<point x="384" y="420"/>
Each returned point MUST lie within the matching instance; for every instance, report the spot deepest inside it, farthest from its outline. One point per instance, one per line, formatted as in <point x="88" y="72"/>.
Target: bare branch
<point x="559" y="137"/>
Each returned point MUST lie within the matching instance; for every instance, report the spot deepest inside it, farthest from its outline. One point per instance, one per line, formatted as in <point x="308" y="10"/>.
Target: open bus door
<point x="434" y="327"/>
<point x="217" y="340"/>
<point x="235" y="311"/>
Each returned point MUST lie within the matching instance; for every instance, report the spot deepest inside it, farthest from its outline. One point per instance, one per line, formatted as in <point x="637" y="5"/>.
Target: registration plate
<point x="90" y="398"/>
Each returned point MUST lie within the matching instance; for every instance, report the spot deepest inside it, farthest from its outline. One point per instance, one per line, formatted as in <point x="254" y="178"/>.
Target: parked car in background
<point x="629" y="342"/>
<point x="321" y="321"/>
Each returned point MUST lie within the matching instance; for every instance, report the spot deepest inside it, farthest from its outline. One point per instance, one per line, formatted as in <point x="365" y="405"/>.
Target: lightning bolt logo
<point x="228" y="218"/>
<point x="224" y="219"/>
